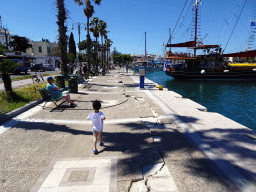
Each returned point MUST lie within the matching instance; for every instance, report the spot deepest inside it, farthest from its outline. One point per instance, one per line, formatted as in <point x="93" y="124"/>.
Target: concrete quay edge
<point x="220" y="161"/>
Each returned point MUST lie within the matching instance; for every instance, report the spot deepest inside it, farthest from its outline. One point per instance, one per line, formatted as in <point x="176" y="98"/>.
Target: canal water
<point x="233" y="99"/>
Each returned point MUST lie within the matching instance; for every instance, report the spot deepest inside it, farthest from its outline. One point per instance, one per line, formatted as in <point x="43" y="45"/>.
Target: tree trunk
<point x="62" y="36"/>
<point x="96" y="52"/>
<point x="89" y="44"/>
<point x="102" y="50"/>
<point x="7" y="83"/>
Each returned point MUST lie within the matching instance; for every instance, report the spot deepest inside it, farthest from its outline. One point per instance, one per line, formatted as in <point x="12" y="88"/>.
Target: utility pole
<point x="170" y="38"/>
<point x="145" y="48"/>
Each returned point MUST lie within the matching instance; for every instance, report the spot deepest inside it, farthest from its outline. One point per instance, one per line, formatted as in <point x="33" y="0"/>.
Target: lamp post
<point x="78" y="25"/>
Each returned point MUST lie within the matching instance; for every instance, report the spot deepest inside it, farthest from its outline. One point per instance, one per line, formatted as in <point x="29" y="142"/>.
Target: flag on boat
<point x="253" y="23"/>
<point x="165" y="65"/>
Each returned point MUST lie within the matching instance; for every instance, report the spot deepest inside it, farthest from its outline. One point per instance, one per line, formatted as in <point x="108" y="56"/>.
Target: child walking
<point x="97" y="118"/>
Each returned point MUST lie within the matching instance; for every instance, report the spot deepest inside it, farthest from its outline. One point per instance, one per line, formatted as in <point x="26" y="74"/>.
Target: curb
<point x="20" y="110"/>
<point x="14" y="113"/>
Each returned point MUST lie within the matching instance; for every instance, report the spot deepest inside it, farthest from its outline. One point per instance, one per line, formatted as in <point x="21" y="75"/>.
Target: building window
<point x="48" y="50"/>
<point x="32" y="50"/>
<point x="40" y="49"/>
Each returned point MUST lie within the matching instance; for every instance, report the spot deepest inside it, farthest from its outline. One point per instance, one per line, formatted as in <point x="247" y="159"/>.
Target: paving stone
<point x="161" y="184"/>
<point x="151" y="169"/>
<point x="139" y="186"/>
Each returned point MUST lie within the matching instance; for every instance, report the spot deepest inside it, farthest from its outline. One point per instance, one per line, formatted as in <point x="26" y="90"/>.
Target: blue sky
<point x="128" y="21"/>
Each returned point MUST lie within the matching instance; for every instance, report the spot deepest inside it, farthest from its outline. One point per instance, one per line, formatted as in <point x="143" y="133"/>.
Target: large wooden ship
<point x="208" y="66"/>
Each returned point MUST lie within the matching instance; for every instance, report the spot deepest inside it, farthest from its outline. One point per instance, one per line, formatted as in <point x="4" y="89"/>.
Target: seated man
<point x="56" y="93"/>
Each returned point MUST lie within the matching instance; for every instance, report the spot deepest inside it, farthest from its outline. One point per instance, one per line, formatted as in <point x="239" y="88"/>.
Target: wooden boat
<point x="210" y="66"/>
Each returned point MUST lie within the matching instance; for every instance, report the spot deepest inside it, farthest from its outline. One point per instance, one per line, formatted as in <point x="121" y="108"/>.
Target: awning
<point x="174" y="57"/>
<point x="185" y="44"/>
<point x="251" y="53"/>
<point x="206" y="47"/>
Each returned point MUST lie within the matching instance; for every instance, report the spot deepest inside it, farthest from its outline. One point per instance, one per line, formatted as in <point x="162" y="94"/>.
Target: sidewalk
<point x="149" y="144"/>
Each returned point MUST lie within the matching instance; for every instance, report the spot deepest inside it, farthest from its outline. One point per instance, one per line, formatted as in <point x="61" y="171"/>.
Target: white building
<point x="5" y="34"/>
<point x="140" y="57"/>
<point x="41" y="48"/>
<point x="43" y="51"/>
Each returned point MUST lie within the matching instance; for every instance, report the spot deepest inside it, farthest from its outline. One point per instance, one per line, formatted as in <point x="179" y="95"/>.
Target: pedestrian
<point x="127" y="67"/>
<point x="85" y="71"/>
<point x="97" y="118"/>
<point x="80" y="70"/>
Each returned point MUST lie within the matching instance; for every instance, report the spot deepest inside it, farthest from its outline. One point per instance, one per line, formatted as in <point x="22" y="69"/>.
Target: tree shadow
<point x="137" y="148"/>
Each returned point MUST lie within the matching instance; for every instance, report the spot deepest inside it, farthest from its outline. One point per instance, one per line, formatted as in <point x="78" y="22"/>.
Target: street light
<point x="78" y="25"/>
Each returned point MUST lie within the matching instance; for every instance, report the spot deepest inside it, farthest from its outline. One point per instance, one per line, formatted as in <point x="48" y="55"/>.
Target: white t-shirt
<point x="97" y="120"/>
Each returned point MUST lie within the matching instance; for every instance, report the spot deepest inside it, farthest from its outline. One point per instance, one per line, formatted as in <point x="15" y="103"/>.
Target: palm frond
<point x="97" y="2"/>
<point x="79" y="2"/>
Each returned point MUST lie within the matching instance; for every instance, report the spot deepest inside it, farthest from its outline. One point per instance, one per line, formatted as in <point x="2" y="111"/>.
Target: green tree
<point x="19" y="43"/>
<point x="108" y="43"/>
<point x="45" y="40"/>
<point x="95" y="30"/>
<point x="82" y="57"/>
<point x="115" y="55"/>
<point x="71" y="57"/>
<point x="62" y="16"/>
<point x="88" y="11"/>
<point x="5" y="67"/>
<point x="103" y="32"/>
<point x="72" y="44"/>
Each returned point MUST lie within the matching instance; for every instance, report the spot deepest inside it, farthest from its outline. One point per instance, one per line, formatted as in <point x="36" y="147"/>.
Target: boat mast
<point x="196" y="13"/>
<point x="170" y="37"/>
<point x="145" y="47"/>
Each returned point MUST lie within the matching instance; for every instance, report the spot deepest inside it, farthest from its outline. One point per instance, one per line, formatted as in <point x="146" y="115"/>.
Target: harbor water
<point x="233" y="99"/>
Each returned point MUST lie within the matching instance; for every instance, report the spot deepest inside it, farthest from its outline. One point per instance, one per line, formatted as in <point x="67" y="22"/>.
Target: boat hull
<point x="150" y="68"/>
<point x="213" y="75"/>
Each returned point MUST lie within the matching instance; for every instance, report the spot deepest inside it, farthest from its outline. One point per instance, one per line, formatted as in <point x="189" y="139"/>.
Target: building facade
<point x="41" y="48"/>
<point x="5" y="37"/>
<point x="43" y="51"/>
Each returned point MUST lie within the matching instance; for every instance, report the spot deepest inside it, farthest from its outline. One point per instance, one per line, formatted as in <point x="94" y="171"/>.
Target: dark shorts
<point x="60" y="94"/>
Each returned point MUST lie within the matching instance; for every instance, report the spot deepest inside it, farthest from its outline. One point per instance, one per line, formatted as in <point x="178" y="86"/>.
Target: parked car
<point x="29" y="65"/>
<point x="37" y="67"/>
<point x="22" y="68"/>
<point x="49" y="67"/>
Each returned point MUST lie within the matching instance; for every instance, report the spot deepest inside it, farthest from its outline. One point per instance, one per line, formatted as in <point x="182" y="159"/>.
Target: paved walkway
<point x="153" y="140"/>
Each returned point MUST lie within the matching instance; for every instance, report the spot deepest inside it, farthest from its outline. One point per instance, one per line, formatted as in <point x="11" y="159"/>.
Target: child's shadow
<point x="102" y="150"/>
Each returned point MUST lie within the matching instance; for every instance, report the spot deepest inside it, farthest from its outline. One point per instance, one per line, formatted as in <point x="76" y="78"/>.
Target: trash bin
<point x="73" y="83"/>
<point x="60" y="81"/>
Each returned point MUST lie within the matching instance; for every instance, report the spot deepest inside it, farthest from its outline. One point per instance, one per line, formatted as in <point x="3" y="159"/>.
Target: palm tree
<point x="63" y="38"/>
<point x="103" y="32"/>
<point x="108" y="43"/>
<point x="88" y="11"/>
<point x="95" y="30"/>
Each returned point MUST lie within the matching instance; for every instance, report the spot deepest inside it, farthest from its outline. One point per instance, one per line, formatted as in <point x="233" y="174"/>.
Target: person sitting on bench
<point x="56" y="93"/>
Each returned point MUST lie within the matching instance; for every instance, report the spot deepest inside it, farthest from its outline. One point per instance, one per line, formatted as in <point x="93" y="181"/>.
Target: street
<point x="57" y="70"/>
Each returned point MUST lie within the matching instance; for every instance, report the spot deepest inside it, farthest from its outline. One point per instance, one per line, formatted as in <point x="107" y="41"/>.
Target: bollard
<point x="142" y="75"/>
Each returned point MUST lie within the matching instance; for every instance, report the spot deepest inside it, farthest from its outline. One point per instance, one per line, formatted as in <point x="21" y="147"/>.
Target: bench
<point x="81" y="80"/>
<point x="47" y="97"/>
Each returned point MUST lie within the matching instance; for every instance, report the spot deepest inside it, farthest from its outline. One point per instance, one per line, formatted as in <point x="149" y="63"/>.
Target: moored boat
<point x="211" y="65"/>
